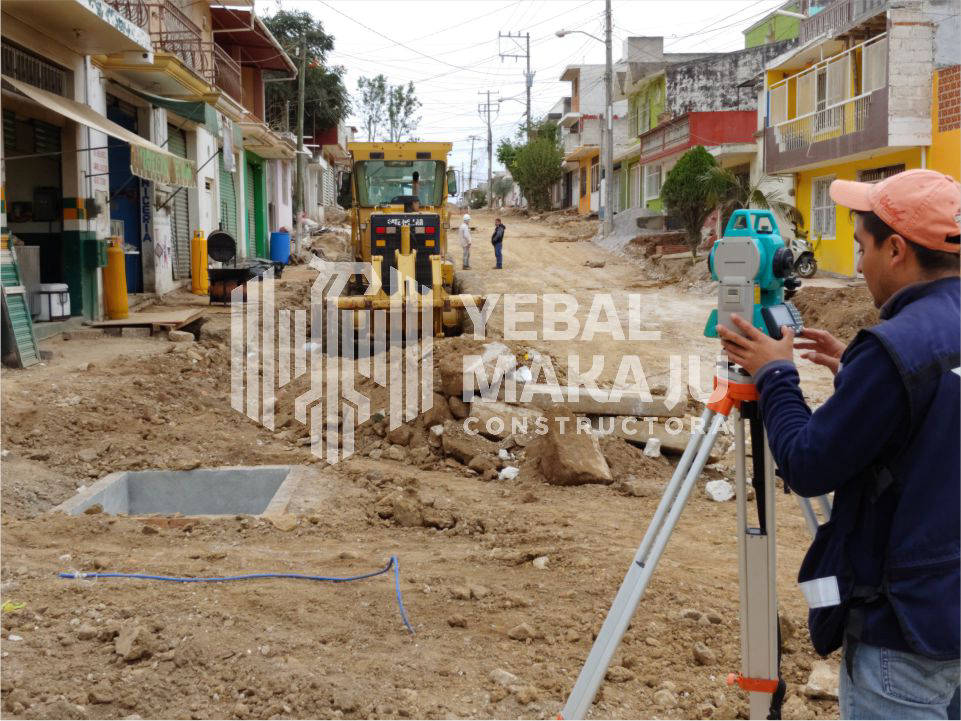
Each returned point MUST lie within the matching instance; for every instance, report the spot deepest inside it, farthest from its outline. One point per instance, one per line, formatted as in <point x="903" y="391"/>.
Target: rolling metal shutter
<point x="179" y="211"/>
<point x="228" y="201"/>
<point x="251" y="213"/>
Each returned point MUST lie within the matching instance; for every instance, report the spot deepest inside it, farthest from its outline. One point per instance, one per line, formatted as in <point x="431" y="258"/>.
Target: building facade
<point x="141" y="121"/>
<point x="873" y="90"/>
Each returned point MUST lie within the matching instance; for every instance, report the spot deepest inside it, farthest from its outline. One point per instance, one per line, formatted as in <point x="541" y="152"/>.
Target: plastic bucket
<point x="280" y="247"/>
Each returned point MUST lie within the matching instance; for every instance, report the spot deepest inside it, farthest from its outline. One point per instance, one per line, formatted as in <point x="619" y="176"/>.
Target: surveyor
<point x="497" y="240"/>
<point x="465" y="240"/>
<point x="882" y="578"/>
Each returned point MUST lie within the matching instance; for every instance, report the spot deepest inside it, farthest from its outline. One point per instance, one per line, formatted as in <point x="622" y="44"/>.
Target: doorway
<point x="125" y="193"/>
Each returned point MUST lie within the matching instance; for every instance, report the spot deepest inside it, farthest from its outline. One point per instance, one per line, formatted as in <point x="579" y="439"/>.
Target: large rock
<point x="438" y="412"/>
<point x="823" y="681"/>
<point x="464" y="446"/>
<point x="457" y="407"/>
<point x="499" y="420"/>
<point x="133" y="643"/>
<point x="494" y="359"/>
<point x="569" y="456"/>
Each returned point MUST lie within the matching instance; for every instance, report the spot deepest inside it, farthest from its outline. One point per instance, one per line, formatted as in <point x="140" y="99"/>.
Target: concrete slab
<point x="224" y="491"/>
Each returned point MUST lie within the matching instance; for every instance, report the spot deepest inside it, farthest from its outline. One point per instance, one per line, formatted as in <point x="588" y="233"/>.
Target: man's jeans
<point x="497" y="254"/>
<point x="466" y="263"/>
<point x="890" y="684"/>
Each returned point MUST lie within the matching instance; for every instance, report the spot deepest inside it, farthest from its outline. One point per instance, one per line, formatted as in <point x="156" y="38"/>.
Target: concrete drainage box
<point x="249" y="490"/>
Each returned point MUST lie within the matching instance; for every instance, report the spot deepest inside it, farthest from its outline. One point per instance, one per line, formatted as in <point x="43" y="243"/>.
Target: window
<point x="822" y="208"/>
<point x="876" y="175"/>
<point x="636" y="186"/>
<point x="652" y="182"/>
<point x="595" y="176"/>
<point x="583" y="182"/>
<point x="644" y="120"/>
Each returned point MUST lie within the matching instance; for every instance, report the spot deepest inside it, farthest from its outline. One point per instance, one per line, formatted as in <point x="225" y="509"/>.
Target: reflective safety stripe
<point x="821" y="592"/>
<point x="956" y="370"/>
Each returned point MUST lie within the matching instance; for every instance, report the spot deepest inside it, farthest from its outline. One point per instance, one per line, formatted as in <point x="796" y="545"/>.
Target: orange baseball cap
<point x="924" y="206"/>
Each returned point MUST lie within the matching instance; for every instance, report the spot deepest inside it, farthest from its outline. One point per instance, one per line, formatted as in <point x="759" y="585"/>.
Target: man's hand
<point x="823" y="348"/>
<point x="753" y="350"/>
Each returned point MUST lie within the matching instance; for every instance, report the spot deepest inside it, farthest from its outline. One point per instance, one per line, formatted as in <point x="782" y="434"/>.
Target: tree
<point x="535" y="165"/>
<point x="394" y="105"/>
<point x="327" y="100"/>
<point x="373" y="103"/>
<point x="506" y="154"/>
<point x="402" y="103"/>
<point x="729" y="191"/>
<point x="685" y="194"/>
<point x="477" y="198"/>
<point x="502" y="186"/>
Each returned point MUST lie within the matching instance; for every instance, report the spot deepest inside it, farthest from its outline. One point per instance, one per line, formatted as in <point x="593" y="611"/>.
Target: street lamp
<point x="608" y="130"/>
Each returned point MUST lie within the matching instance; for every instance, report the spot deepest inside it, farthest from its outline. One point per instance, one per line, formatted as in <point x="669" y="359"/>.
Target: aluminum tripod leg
<point x="808" y="510"/>
<point x="758" y="574"/>
<point x="645" y="561"/>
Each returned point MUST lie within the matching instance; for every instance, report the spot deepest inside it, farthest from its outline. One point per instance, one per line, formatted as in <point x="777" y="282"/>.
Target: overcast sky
<point x="461" y="37"/>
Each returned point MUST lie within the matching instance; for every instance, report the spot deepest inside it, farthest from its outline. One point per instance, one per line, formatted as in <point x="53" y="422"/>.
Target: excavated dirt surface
<point x="499" y="632"/>
<point x="840" y="311"/>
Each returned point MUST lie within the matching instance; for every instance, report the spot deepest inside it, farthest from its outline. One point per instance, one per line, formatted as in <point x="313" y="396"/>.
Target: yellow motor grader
<point x="399" y="221"/>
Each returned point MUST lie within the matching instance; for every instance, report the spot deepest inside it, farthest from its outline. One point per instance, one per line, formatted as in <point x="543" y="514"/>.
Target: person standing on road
<point x="882" y="577"/>
<point x="465" y="240"/>
<point x="497" y="240"/>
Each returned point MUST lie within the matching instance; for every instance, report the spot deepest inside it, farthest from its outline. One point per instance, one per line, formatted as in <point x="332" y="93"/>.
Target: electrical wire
<point x="392" y="563"/>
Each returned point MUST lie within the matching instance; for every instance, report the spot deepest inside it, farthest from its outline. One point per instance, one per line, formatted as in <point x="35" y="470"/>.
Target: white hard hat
<point x="466" y="218"/>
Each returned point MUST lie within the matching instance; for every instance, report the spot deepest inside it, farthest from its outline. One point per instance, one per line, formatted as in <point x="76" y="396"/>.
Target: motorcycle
<point x="805" y="264"/>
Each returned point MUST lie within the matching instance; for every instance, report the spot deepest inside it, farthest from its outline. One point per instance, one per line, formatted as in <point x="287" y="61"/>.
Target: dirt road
<point x="495" y="635"/>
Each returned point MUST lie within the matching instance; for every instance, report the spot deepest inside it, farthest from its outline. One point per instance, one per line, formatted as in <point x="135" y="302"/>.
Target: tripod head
<point x="756" y="274"/>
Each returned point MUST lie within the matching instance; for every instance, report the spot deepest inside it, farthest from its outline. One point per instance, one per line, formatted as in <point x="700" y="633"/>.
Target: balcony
<point x="89" y="27"/>
<point x="226" y="74"/>
<point x="171" y="32"/>
<point x="668" y="137"/>
<point x="838" y="18"/>
<point x="583" y="143"/>
<point x="826" y="111"/>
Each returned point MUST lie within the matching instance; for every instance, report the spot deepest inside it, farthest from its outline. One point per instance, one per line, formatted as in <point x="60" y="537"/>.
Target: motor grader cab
<point x="399" y="221"/>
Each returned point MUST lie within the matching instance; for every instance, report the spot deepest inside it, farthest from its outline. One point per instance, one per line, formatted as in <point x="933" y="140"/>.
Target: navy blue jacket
<point x="892" y="404"/>
<point x="498" y="235"/>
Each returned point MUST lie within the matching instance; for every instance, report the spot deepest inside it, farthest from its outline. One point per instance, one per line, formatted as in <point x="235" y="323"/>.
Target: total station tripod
<point x="736" y="397"/>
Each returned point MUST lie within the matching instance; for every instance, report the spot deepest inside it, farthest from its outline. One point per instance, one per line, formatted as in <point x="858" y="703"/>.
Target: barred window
<point x="823" y="210"/>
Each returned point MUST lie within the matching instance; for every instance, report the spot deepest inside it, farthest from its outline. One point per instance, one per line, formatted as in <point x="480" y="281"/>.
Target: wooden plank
<point x="171" y="319"/>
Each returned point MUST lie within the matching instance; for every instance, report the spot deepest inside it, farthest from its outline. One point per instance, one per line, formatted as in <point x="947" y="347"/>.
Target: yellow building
<point x="876" y="96"/>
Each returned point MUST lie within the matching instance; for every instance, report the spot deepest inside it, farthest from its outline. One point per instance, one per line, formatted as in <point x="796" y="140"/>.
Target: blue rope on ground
<point x="392" y="563"/>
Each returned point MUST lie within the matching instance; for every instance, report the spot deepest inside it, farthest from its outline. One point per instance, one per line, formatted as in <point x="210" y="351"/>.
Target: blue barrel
<point x="280" y="247"/>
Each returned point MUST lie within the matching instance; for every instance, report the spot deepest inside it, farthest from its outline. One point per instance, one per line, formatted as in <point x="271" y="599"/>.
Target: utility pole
<point x="485" y="108"/>
<point x="528" y="76"/>
<point x="470" y="170"/>
<point x="299" y="184"/>
<point x="609" y="122"/>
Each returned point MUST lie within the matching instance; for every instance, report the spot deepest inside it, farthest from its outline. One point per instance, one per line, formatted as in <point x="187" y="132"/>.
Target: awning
<point x="147" y="160"/>
<point x="196" y="111"/>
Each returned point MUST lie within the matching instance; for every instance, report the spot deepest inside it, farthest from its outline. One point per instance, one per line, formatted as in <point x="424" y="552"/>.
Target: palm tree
<point x="728" y="191"/>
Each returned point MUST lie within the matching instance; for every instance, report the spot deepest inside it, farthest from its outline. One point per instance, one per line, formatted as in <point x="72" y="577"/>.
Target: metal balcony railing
<point x="23" y="65"/>
<point x="170" y="31"/>
<point x="841" y="15"/>
<point x="226" y="74"/>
